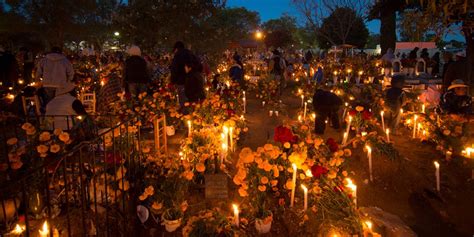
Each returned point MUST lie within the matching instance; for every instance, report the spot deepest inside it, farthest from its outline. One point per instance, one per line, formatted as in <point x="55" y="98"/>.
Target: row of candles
<point x="43" y="232"/>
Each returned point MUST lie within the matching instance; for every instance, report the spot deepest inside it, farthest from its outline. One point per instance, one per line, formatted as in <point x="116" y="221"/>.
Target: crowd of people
<point x="56" y="79"/>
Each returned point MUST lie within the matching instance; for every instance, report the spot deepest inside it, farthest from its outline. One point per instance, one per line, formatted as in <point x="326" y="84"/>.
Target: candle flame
<point x="44" y="231"/>
<point x="18" y="230"/>
<point x="236" y="208"/>
<point x="387" y="131"/>
<point x="351" y="185"/>
<point x="368" y="148"/>
<point x="369" y="225"/>
<point x="436" y="164"/>
<point x="294" y="166"/>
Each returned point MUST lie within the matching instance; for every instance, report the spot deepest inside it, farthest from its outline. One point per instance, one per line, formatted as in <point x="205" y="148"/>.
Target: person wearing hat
<point x="395" y="99"/>
<point x="456" y="100"/>
<point x="236" y="71"/>
<point x="65" y="106"/>
<point x="136" y="74"/>
<point x="455" y="70"/>
<point x="56" y="70"/>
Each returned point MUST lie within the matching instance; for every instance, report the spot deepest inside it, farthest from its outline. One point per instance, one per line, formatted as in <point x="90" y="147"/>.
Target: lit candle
<point x="231" y="138"/>
<point x="369" y="156"/>
<point x="448" y="155"/>
<point x="353" y="188"/>
<point x="302" y="100"/>
<point x="414" y="126"/>
<point x="18" y="230"/>
<point x="345" y="109"/>
<point x="383" y="121"/>
<point x="294" y="185"/>
<point x="344" y="138"/>
<point x="263" y="103"/>
<point x="44" y="231"/>
<point x="314" y="116"/>
<point x="270" y="113"/>
<point x="423" y="108"/>
<point x="245" y="103"/>
<point x="226" y="135"/>
<point x="349" y="125"/>
<point x="299" y="118"/>
<point x="401" y="111"/>
<point x="387" y="131"/>
<point x="236" y="214"/>
<point x="304" y="112"/>
<point x="305" y="190"/>
<point x="189" y="128"/>
<point x="224" y="152"/>
<point x="437" y="176"/>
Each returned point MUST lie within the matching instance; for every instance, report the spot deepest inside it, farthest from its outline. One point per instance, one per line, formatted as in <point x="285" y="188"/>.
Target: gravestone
<point x="216" y="186"/>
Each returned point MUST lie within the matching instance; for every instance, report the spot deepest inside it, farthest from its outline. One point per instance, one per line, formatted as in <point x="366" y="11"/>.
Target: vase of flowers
<point x="264" y="224"/>
<point x="172" y="219"/>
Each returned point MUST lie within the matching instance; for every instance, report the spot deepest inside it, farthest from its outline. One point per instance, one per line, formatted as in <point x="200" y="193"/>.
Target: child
<point x="394" y="101"/>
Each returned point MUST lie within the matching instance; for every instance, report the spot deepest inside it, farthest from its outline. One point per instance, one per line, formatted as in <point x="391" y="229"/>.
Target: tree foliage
<point x="281" y="32"/>
<point x="416" y="26"/>
<point x="343" y="26"/>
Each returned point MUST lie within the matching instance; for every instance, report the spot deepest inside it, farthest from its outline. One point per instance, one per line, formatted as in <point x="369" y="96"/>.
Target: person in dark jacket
<point x="194" y="81"/>
<point x="395" y="99"/>
<point x="326" y="106"/>
<point x="136" y="74"/>
<point x="413" y="54"/>
<point x="236" y="71"/>
<point x="456" y="100"/>
<point x="9" y="69"/>
<point x="178" y="74"/>
<point x="435" y="61"/>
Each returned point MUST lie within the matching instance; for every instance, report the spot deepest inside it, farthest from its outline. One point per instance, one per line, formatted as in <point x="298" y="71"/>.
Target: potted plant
<point x="172" y="218"/>
<point x="263" y="221"/>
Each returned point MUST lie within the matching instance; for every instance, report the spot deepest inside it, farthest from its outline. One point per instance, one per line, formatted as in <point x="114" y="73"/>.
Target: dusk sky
<point x="271" y="9"/>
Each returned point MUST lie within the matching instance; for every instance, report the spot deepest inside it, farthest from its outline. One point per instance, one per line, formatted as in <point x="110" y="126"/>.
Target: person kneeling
<point x="64" y="107"/>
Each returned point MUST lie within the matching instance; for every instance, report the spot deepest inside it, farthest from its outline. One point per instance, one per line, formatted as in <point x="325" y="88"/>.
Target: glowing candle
<point x="437" y="176"/>
<point x="305" y="190"/>
<point x="299" y="118"/>
<point x="292" y="201"/>
<point x="314" y="116"/>
<point x="344" y="138"/>
<point x="414" y="126"/>
<point x="302" y="100"/>
<point x="245" y="103"/>
<point x="353" y="188"/>
<point x="44" y="231"/>
<point x="369" y="156"/>
<point x="423" y="108"/>
<point x="383" y="121"/>
<point x="304" y="112"/>
<point x="231" y="138"/>
<point x="236" y="214"/>
<point x="276" y="113"/>
<point x="349" y="125"/>
<point x="189" y="128"/>
<point x="387" y="131"/>
<point x="18" y="230"/>
<point x="263" y="103"/>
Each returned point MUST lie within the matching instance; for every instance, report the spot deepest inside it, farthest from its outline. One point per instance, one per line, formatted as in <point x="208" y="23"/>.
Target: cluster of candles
<point x="43" y="232"/>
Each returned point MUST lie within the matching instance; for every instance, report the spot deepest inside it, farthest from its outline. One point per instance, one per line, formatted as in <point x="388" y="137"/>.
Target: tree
<point x="343" y="26"/>
<point x="280" y="32"/>
<point x="386" y="11"/>
<point x="416" y="26"/>
<point x="372" y="41"/>
<point x="455" y="12"/>
<point x="316" y="11"/>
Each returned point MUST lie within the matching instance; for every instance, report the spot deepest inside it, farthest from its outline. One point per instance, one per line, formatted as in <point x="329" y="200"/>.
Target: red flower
<point x="284" y="134"/>
<point x="230" y="112"/>
<point x="112" y="158"/>
<point x="352" y="112"/>
<point x="366" y="115"/>
<point x="318" y="170"/>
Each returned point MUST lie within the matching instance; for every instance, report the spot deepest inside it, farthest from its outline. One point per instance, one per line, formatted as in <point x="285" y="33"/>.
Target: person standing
<point x="194" y="81"/>
<point x="178" y="73"/>
<point x="435" y="61"/>
<point x="8" y="68"/>
<point x="326" y="106"/>
<point x="236" y="71"/>
<point x="56" y="70"/>
<point x="277" y="69"/>
<point x="28" y="64"/>
<point x="136" y="76"/>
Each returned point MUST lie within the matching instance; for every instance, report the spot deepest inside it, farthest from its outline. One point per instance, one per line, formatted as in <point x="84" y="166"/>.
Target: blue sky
<point x="271" y="9"/>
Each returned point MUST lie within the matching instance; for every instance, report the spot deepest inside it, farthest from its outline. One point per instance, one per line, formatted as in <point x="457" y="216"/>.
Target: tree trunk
<point x="388" y="35"/>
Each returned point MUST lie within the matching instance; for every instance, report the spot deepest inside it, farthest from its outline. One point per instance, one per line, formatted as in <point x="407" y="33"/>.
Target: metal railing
<point x="87" y="190"/>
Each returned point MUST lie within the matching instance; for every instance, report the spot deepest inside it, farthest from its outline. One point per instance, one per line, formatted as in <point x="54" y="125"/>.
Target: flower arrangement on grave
<point x="267" y="89"/>
<point x="210" y="223"/>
